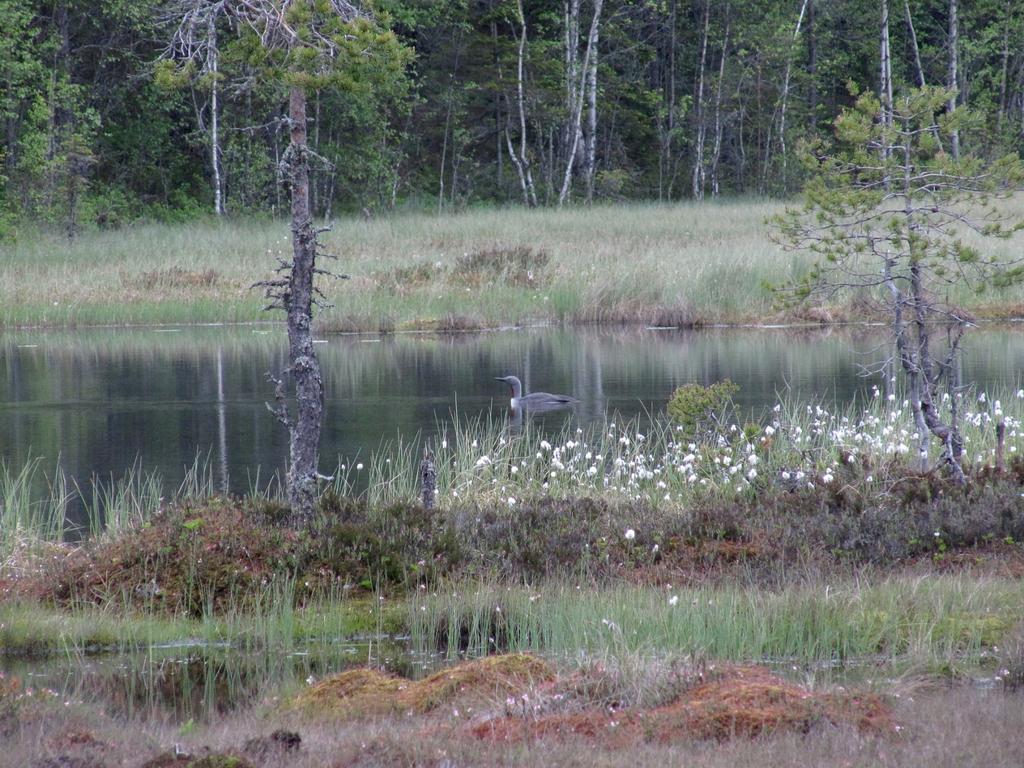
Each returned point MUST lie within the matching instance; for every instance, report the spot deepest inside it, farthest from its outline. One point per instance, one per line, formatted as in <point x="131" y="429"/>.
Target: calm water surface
<point x="100" y="401"/>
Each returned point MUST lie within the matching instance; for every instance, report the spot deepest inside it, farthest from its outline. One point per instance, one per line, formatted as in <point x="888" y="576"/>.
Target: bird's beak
<point x="500" y="378"/>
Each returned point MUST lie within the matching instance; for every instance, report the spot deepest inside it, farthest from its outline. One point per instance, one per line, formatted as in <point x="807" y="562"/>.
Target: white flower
<point x="359" y="466"/>
<point x="482" y="462"/>
<point x="545" y="445"/>
<point x="630" y="534"/>
<point x="827" y="478"/>
<point x="515" y="470"/>
<point x="769" y="430"/>
<point x="673" y="600"/>
<point x="511" y="501"/>
<point x="751" y="474"/>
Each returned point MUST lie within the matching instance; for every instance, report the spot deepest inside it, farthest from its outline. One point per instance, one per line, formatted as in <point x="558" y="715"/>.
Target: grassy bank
<point x="655" y="264"/>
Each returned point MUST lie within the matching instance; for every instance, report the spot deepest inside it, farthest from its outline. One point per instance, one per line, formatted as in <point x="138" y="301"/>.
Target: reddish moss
<point x="738" y="702"/>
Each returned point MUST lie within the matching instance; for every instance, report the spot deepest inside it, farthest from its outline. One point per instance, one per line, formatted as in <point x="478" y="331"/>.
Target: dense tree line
<point x="115" y="109"/>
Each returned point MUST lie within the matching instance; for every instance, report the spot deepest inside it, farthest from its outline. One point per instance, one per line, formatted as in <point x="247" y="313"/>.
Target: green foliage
<point x="695" y="407"/>
<point x="418" y="99"/>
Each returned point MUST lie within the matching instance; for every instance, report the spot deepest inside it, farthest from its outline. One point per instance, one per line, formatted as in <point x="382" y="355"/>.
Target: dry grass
<point x="939" y="729"/>
<point x="680" y="264"/>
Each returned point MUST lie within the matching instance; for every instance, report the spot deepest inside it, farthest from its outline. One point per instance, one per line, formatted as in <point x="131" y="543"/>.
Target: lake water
<point x="100" y="401"/>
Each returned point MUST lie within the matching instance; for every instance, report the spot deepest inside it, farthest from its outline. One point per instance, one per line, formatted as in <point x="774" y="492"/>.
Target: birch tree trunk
<point x="717" y="151"/>
<point x="1004" y="68"/>
<point x="576" y="115"/>
<point x="669" y="101"/>
<point x="885" y="66"/>
<point x="918" y="69"/>
<point x="211" y="35"/>
<point x="590" y="148"/>
<point x="784" y="99"/>
<point x="521" y="161"/>
<point x="953" y="83"/>
<point x="698" y="160"/>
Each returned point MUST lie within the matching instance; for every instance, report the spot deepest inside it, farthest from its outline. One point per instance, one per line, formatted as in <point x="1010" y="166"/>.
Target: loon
<point x="534" y="400"/>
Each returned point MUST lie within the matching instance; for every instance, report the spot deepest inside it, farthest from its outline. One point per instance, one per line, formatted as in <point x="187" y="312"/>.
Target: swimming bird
<point x="534" y="400"/>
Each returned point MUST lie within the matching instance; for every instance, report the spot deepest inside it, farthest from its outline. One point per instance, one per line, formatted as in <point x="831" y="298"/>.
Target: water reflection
<point x="101" y="400"/>
<point x="199" y="681"/>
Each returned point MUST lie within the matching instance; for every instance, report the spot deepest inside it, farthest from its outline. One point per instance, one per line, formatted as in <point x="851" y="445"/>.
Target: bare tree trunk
<point x="953" y="83"/>
<point x="669" y="100"/>
<point x="576" y="115"/>
<point x="211" y="33"/>
<point x="885" y="67"/>
<point x="698" y="160"/>
<point x="499" y="181"/>
<point x="885" y="79"/>
<point x="918" y="69"/>
<point x="448" y="124"/>
<point x="590" y="149"/>
<point x="716" y="153"/>
<point x="571" y="31"/>
<point x="1004" y="68"/>
<point x="784" y="99"/>
<point x="812" y="66"/>
<point x="303" y="364"/>
<point x="521" y="161"/>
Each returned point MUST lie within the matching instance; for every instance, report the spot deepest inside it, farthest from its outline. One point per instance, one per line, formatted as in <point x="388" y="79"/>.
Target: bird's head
<point x="513" y="383"/>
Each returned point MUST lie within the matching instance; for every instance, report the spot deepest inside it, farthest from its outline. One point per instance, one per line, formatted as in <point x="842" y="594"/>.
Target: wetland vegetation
<point x="802" y="568"/>
<point x="643" y="570"/>
<point x="643" y="263"/>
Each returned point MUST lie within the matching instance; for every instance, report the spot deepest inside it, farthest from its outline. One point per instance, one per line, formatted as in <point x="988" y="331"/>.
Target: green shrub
<point x="695" y="407"/>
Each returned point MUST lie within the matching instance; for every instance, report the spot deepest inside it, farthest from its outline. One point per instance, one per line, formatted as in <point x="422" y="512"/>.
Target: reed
<point x="913" y="621"/>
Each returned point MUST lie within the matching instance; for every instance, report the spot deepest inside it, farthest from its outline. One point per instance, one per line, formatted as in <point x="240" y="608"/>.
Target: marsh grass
<point x="27" y="516"/>
<point x="678" y="264"/>
<point x="937" y="620"/>
<point x="795" y="445"/>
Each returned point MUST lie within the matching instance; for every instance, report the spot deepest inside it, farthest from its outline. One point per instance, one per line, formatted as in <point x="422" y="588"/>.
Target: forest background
<point x="470" y="102"/>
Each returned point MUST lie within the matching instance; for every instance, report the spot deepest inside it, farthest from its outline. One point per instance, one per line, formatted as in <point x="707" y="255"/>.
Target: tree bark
<point x="576" y="115"/>
<point x="212" y="64"/>
<point x="1004" y="68"/>
<point x="885" y="67"/>
<point x="784" y="100"/>
<point x="303" y="364"/>
<point x="717" y="151"/>
<point x="697" y="180"/>
<point x="521" y="160"/>
<point x="918" y="69"/>
<point x="669" y="105"/>
<point x="590" y="146"/>
<point x="953" y="83"/>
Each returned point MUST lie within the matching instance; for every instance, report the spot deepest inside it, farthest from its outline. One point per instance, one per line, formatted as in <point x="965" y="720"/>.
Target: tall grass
<point x="661" y="264"/>
<point x="795" y="444"/>
<point x="27" y="515"/>
<point x="926" y="620"/>
<point x="34" y="506"/>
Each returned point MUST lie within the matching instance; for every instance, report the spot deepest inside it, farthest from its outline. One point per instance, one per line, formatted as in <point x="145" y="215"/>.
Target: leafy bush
<point x="695" y="407"/>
